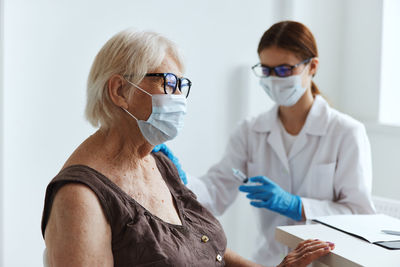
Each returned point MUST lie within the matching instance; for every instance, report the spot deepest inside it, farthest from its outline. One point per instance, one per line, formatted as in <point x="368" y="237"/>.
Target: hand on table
<point x="306" y="252"/>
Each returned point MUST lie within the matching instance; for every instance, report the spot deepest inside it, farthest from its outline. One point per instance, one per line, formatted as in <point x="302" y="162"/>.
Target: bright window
<point x="389" y="111"/>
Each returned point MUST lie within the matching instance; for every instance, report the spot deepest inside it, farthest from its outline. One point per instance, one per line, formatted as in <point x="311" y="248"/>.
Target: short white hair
<point x="129" y="52"/>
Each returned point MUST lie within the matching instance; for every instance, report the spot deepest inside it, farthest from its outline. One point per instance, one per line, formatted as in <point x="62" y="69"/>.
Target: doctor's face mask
<point x="166" y="118"/>
<point x="285" y="91"/>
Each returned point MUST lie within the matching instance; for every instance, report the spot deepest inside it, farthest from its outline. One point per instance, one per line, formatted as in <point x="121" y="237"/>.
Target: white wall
<point x="361" y="61"/>
<point x="386" y="138"/>
<point x="390" y="93"/>
<point x="385" y="146"/>
<point x="359" y="94"/>
<point x="1" y="133"/>
<point x="49" y="47"/>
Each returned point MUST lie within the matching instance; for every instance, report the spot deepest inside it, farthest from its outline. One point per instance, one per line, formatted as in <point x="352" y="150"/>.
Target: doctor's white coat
<point x="329" y="167"/>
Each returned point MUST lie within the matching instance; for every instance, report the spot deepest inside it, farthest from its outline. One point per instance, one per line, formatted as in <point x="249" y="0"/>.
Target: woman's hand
<point x="306" y="252"/>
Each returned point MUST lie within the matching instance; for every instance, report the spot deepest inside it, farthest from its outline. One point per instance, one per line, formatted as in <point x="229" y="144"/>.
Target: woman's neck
<point x="294" y="117"/>
<point x="121" y="147"/>
<point x="123" y="144"/>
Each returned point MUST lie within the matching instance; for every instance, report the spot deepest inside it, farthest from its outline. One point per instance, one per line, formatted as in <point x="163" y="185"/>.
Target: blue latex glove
<point x="165" y="150"/>
<point x="271" y="196"/>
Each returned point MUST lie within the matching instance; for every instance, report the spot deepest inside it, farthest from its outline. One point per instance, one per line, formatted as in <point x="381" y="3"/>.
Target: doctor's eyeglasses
<point x="280" y="71"/>
<point x="171" y="83"/>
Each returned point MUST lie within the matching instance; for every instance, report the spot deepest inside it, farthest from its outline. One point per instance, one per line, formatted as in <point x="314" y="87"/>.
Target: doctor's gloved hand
<point x="271" y="196"/>
<point x="167" y="152"/>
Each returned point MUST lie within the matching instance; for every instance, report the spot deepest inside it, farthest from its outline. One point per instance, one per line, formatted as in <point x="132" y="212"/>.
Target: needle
<point x="240" y="175"/>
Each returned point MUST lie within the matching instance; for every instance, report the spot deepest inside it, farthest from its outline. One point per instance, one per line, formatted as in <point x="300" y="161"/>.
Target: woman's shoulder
<point x="67" y="194"/>
<point x="78" y="198"/>
<point x="79" y="173"/>
<point x="344" y="122"/>
<point x="262" y="122"/>
<point x="324" y="116"/>
<point x="76" y="186"/>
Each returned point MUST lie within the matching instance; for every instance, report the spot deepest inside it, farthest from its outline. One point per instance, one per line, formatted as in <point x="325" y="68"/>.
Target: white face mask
<point x="285" y="91"/>
<point x="166" y="118"/>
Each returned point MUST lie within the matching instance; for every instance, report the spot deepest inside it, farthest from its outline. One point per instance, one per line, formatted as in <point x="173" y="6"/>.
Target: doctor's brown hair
<point x="292" y="36"/>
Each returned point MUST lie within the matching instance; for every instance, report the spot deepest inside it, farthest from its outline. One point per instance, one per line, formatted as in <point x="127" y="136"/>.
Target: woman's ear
<point x="115" y="86"/>
<point x="314" y="66"/>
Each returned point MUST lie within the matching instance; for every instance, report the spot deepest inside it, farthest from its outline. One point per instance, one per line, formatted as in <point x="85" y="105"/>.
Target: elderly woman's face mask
<point x="166" y="118"/>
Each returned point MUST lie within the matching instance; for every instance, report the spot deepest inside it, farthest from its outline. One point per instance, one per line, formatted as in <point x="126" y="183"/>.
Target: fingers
<point x="309" y="257"/>
<point x="258" y="204"/>
<point x="311" y="242"/>
<point x="260" y="195"/>
<point x="264" y="182"/>
<point x="166" y="150"/>
<point x="260" y="179"/>
<point x="174" y="160"/>
<point x="305" y="242"/>
<point x="251" y="188"/>
<point x="308" y="242"/>
<point x="312" y="246"/>
<point x="306" y="252"/>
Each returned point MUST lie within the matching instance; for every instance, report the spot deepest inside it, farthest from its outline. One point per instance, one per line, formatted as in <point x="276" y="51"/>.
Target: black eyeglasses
<point x="284" y="70"/>
<point x="171" y="83"/>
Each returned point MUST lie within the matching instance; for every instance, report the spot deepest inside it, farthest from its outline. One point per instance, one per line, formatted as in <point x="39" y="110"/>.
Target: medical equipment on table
<point x="240" y="175"/>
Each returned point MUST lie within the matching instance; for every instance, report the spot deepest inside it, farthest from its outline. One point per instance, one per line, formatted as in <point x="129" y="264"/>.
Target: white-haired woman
<point x="116" y="203"/>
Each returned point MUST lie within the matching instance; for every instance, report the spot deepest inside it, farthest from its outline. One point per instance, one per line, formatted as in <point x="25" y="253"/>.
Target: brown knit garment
<point x="140" y="238"/>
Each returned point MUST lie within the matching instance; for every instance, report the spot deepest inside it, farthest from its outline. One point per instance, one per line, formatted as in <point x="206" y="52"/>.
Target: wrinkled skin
<point x="306" y="252"/>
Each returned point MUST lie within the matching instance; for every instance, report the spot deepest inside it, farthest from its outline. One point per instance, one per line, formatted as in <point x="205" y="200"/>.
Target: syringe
<point x="240" y="176"/>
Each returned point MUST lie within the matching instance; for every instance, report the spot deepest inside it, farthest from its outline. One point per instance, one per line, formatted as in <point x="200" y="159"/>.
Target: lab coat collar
<point x="316" y="123"/>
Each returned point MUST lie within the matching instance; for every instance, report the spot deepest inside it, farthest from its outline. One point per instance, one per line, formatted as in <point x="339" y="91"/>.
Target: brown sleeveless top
<point x="140" y="238"/>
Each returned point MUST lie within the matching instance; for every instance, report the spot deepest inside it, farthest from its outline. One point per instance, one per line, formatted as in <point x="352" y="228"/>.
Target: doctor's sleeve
<point x="217" y="189"/>
<point x="352" y="180"/>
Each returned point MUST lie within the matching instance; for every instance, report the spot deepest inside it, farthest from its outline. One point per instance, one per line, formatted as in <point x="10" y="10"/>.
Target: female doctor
<point x="306" y="158"/>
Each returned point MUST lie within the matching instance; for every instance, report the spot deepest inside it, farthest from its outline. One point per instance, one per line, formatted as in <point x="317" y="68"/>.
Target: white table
<point x="349" y="251"/>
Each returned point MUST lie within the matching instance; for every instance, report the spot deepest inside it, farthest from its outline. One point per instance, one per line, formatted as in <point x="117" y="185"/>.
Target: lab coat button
<point x="219" y="258"/>
<point x="204" y="239"/>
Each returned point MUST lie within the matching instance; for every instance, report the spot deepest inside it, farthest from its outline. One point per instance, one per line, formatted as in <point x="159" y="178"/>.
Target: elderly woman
<point x="116" y="203"/>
